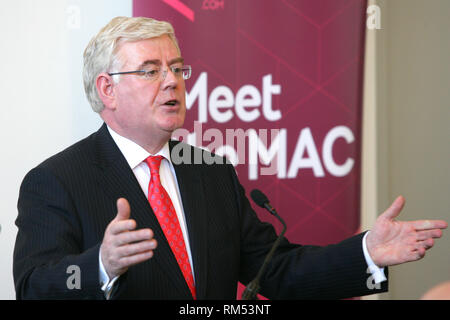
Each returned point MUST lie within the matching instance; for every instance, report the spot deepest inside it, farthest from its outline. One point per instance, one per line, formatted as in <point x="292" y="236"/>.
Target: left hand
<point x="392" y="242"/>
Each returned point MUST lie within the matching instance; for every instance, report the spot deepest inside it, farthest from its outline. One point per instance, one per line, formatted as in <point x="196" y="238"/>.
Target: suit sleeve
<point x="296" y="271"/>
<point x="49" y="262"/>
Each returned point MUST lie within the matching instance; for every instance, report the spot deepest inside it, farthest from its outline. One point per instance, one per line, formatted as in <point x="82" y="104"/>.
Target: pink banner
<point x="287" y="76"/>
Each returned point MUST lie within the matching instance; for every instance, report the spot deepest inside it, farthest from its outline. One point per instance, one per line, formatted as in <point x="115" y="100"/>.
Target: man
<point x="138" y="225"/>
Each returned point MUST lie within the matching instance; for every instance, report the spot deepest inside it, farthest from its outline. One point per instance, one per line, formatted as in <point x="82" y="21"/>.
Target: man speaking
<point x="138" y="225"/>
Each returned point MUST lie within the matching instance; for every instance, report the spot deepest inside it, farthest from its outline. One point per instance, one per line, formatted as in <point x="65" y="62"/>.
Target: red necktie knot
<point x="154" y="162"/>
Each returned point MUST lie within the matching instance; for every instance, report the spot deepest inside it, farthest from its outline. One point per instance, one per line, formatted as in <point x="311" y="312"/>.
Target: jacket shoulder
<point x="80" y="152"/>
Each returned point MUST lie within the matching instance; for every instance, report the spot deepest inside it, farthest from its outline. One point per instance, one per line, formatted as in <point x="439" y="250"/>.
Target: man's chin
<point x="171" y="127"/>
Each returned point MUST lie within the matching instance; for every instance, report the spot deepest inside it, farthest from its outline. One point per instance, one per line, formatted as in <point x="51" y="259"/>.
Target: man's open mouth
<point x="171" y="103"/>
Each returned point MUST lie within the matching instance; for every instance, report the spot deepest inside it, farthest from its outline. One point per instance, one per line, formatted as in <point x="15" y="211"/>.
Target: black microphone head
<point x="259" y="197"/>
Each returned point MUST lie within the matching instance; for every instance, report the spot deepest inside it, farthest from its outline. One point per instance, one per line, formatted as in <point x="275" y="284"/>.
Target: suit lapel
<point x="117" y="180"/>
<point x="190" y="183"/>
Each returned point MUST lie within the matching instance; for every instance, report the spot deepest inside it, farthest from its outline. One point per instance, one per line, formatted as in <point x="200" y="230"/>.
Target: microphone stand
<point x="253" y="287"/>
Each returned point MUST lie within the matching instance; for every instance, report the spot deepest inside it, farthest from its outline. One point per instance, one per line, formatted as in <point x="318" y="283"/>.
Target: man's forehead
<point x="156" y="50"/>
<point x="157" y="62"/>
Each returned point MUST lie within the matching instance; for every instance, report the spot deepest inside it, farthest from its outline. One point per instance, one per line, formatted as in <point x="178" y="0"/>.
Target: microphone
<point x="253" y="287"/>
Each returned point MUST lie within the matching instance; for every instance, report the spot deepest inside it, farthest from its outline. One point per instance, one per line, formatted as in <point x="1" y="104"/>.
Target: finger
<point x="427" y="244"/>
<point x="123" y="209"/>
<point x="423" y="245"/>
<point x="135" y="259"/>
<point x="136" y="248"/>
<point x="132" y="236"/>
<point x="394" y="210"/>
<point x="428" y="234"/>
<point x="117" y="227"/>
<point x="419" y="253"/>
<point x="429" y="224"/>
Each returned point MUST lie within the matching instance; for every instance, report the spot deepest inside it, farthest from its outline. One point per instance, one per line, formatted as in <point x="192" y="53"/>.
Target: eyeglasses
<point x="155" y="73"/>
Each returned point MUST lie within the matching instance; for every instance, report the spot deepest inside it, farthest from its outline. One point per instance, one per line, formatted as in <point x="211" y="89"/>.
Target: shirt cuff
<point x="105" y="283"/>
<point x="377" y="273"/>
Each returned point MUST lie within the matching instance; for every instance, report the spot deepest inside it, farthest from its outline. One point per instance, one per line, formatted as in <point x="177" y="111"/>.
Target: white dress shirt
<point x="135" y="156"/>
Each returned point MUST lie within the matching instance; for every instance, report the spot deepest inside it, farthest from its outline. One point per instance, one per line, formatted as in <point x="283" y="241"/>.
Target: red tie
<point x="165" y="212"/>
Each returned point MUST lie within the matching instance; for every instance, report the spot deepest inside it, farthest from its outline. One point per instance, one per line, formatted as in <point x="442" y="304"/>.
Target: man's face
<point x="149" y="108"/>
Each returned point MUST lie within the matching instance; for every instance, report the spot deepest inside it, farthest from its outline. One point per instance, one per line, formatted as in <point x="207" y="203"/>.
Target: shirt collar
<point x="134" y="153"/>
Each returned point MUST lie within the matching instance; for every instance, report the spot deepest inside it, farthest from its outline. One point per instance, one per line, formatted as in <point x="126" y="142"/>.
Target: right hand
<point x="122" y="246"/>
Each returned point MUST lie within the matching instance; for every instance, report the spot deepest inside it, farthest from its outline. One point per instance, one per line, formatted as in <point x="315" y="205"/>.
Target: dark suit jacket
<point x="66" y="203"/>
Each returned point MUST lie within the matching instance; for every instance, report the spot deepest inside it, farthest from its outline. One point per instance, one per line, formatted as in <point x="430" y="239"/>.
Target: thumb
<point x="394" y="210"/>
<point x="123" y="209"/>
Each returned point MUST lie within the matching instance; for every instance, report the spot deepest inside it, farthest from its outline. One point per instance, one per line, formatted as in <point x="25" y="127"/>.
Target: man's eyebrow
<point x="176" y="60"/>
<point x="157" y="62"/>
<point x="149" y="62"/>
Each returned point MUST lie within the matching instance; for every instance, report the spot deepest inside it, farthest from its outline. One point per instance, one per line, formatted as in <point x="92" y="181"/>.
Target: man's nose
<point x="168" y="79"/>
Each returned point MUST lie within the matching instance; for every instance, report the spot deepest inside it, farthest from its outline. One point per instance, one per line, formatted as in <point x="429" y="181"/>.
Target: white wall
<point x="44" y="108"/>
<point x="413" y="131"/>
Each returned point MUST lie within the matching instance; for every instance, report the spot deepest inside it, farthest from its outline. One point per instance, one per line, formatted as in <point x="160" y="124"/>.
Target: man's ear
<point x="105" y="89"/>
